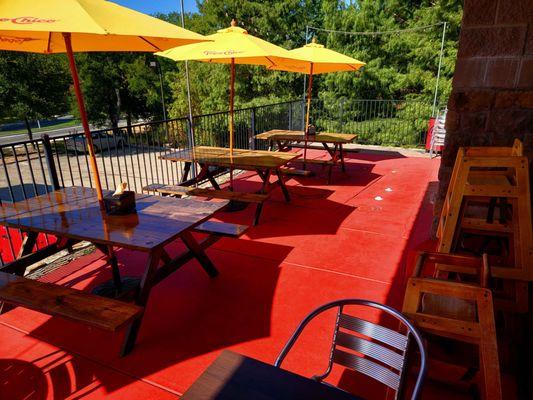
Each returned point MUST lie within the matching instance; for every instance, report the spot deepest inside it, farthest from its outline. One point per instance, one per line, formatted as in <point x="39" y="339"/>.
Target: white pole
<point x="438" y="71"/>
<point x="191" y="125"/>
<point x="305" y="81"/>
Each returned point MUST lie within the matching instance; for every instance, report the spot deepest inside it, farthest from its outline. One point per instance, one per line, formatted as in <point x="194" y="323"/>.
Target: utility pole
<point x="438" y="71"/>
<point x="155" y="64"/>
<point x="190" y="131"/>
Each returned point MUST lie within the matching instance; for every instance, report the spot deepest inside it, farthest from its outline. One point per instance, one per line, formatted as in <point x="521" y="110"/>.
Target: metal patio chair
<point x="438" y="136"/>
<point x="375" y="350"/>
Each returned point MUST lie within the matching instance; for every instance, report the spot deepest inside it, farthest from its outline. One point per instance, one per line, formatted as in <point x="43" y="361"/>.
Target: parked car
<point x="101" y="141"/>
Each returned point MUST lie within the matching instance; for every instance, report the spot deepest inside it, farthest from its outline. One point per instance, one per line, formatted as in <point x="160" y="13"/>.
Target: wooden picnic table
<point x="73" y="214"/>
<point x="237" y="377"/>
<point x="265" y="163"/>
<point x="284" y="138"/>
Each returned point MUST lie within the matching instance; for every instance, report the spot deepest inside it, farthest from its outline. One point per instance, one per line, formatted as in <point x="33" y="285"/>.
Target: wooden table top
<point x="241" y="159"/>
<point x="322" y="137"/>
<point x="74" y="213"/>
<point x="233" y="376"/>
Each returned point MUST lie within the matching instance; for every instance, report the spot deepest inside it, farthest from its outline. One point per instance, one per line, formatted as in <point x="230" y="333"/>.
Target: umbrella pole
<point x="83" y="117"/>
<point x="309" y="91"/>
<point x="231" y="121"/>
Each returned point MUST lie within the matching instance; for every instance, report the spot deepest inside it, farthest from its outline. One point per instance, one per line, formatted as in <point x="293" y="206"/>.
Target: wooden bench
<point x="222" y="229"/>
<point x="291" y="171"/>
<point x="177" y="190"/>
<point x="86" y="308"/>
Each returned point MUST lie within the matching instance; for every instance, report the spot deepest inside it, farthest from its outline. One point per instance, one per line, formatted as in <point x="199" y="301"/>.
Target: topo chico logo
<point x="28" y="20"/>
<point x="222" y="52"/>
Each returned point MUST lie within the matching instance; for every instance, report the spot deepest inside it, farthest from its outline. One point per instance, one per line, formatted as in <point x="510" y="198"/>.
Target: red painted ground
<point x="333" y="241"/>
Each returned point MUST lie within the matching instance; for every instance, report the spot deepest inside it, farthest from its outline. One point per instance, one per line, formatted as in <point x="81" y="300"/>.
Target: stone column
<point x="492" y="97"/>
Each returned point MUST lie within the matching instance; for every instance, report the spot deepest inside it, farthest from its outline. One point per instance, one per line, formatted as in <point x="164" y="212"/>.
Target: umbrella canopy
<point x="58" y="26"/>
<point x="232" y="45"/>
<point x="313" y="59"/>
<point x="37" y="27"/>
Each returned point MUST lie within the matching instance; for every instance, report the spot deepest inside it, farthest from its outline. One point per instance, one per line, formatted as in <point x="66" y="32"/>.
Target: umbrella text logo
<point x="13" y="40"/>
<point x="222" y="53"/>
<point x="28" y="20"/>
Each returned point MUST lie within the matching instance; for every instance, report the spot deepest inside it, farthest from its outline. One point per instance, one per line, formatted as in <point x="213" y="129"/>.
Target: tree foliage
<point x="33" y="86"/>
<point x="400" y="65"/>
<point x="116" y="85"/>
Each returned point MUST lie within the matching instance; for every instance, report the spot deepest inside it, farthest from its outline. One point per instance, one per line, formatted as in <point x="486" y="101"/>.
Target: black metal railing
<point x="132" y="154"/>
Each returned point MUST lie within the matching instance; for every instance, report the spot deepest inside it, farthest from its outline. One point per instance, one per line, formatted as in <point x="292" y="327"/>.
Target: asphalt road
<point x="9" y="139"/>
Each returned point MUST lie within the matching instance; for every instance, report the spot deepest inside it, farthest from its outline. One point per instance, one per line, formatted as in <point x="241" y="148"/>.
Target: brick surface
<point x="525" y="99"/>
<point x="505" y="99"/>
<point x="479" y="12"/>
<point x="475" y="100"/>
<point x="473" y="122"/>
<point x="511" y="121"/>
<point x="469" y="73"/>
<point x="452" y="120"/>
<point x="529" y="41"/>
<point x="525" y="79"/>
<point x="502" y="73"/>
<point x="514" y="11"/>
<point x="494" y="41"/>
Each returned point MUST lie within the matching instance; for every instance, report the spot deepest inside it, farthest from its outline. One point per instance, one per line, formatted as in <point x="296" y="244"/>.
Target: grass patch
<point x="43" y="129"/>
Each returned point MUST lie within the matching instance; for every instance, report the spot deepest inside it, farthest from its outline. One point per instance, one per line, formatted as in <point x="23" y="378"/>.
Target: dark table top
<point x="241" y="159"/>
<point x="299" y="136"/>
<point x="234" y="376"/>
<point x="74" y="213"/>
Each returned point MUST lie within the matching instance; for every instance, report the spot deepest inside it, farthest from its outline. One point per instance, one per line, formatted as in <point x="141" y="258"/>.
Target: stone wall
<point x="492" y="97"/>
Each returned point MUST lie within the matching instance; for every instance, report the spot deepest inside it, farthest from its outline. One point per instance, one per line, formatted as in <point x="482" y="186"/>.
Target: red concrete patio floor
<point x="353" y="238"/>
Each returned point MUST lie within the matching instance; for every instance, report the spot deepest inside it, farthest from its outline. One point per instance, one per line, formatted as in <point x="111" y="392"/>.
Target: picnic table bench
<point x="73" y="214"/>
<point x="179" y="191"/>
<point x="284" y="138"/>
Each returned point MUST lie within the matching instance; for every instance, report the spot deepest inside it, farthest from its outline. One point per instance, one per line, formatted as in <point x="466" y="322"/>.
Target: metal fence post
<point x="341" y="114"/>
<point x="303" y="115"/>
<point x="290" y="116"/>
<point x="192" y="143"/>
<point x="52" y="171"/>
<point x="251" y="139"/>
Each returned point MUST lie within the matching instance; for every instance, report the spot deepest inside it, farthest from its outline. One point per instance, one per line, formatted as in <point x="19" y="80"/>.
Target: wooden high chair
<point x="458" y="310"/>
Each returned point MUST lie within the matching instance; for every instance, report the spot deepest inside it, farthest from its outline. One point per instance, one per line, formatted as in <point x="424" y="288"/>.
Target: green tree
<point x="400" y="65"/>
<point x="281" y="22"/>
<point x="33" y="86"/>
<point x="117" y="85"/>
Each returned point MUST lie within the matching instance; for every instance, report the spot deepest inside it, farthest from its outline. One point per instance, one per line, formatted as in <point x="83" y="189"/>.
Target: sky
<point x="154" y="6"/>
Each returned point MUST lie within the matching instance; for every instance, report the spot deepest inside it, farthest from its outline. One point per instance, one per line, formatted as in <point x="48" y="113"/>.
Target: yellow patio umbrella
<point x="232" y="46"/>
<point x="313" y="59"/>
<point x="67" y="26"/>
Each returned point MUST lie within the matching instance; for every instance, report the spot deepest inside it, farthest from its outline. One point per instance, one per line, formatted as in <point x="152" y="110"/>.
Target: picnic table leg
<point x="341" y="156"/>
<point x="25" y="249"/>
<point x="265" y="177"/>
<point x="141" y="300"/>
<point x="199" y="254"/>
<point x="209" y="176"/>
<point x="282" y="185"/>
<point x="334" y="160"/>
<point x="186" y="170"/>
<point x="328" y="149"/>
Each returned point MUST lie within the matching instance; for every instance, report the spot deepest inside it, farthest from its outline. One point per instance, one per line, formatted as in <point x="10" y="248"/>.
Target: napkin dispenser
<point x="121" y="202"/>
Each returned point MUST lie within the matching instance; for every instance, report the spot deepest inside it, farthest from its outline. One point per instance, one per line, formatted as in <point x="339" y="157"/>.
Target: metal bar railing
<point x="132" y="154"/>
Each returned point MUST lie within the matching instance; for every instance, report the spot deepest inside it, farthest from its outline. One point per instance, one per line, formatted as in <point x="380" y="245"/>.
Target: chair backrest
<point x="374" y="350"/>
